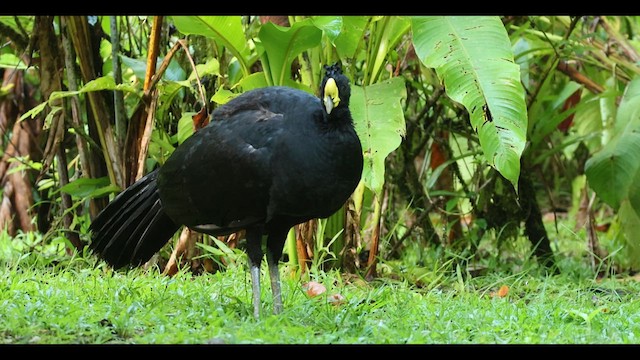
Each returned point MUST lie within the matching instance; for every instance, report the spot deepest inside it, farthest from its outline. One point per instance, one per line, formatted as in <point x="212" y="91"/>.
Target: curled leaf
<point x="336" y="299"/>
<point x="313" y="288"/>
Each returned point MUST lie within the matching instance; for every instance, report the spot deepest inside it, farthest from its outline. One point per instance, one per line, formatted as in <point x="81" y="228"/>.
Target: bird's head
<point x="335" y="88"/>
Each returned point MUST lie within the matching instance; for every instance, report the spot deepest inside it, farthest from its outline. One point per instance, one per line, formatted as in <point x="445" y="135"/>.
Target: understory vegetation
<point x="49" y="297"/>
<point x="499" y="201"/>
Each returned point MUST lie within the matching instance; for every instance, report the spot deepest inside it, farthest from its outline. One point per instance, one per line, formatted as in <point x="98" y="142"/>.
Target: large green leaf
<point x="330" y="25"/>
<point x="379" y="121"/>
<point x="587" y="121"/>
<point x="614" y="171"/>
<point x="472" y="55"/>
<point x="351" y="35"/>
<point x="185" y="126"/>
<point x="627" y="236"/>
<point x="253" y="81"/>
<point x="282" y="45"/>
<point x="227" y="30"/>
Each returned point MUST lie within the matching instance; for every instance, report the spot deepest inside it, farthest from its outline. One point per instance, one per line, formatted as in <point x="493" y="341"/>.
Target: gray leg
<point x="274" y="275"/>
<point x="254" y="252"/>
<point x="275" y="243"/>
<point x="255" y="288"/>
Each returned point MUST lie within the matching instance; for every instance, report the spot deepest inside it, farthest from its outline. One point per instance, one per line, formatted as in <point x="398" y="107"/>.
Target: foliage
<point x="380" y="125"/>
<point x="447" y="107"/>
<point x="485" y="81"/>
<point x="614" y="171"/>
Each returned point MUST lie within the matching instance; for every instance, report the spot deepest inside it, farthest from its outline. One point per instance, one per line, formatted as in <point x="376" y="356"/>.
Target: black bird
<point x="269" y="159"/>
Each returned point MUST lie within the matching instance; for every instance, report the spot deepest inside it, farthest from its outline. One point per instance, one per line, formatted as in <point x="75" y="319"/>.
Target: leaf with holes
<point x="472" y="56"/>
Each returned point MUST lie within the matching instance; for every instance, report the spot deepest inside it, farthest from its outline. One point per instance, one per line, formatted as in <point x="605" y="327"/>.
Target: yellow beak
<point x="331" y="98"/>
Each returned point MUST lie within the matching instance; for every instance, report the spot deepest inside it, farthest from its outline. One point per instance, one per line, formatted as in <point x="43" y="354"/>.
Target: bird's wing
<point x="219" y="178"/>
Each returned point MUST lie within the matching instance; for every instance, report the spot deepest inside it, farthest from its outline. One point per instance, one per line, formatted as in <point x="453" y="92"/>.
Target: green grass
<point x="96" y="305"/>
<point x="47" y="297"/>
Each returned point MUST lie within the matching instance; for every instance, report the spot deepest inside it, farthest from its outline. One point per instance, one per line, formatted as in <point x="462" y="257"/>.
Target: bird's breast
<point x="317" y="177"/>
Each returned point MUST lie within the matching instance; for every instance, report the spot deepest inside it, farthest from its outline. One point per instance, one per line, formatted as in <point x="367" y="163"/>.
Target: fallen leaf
<point x="313" y="288"/>
<point x="504" y="290"/>
<point x="336" y="299"/>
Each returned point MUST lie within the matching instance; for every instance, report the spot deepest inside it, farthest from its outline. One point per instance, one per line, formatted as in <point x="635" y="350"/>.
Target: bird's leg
<point x="275" y="243"/>
<point x="274" y="275"/>
<point x="254" y="252"/>
<point x="255" y="288"/>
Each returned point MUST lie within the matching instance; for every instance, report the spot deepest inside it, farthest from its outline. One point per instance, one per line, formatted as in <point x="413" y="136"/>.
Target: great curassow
<point x="269" y="159"/>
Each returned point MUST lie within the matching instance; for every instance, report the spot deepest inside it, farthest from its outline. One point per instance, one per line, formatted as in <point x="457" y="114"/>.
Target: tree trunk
<point x="440" y="154"/>
<point x="533" y="225"/>
<point x="51" y="65"/>
<point x="80" y="34"/>
<point x="17" y="193"/>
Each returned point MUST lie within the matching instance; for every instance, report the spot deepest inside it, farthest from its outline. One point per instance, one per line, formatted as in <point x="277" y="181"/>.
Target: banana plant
<point x="614" y="171"/>
<point x="377" y="109"/>
<point x="472" y="56"/>
<point x="282" y="45"/>
<point x="227" y="30"/>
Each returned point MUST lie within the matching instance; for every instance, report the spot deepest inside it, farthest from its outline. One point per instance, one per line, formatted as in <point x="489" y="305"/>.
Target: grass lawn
<point x="51" y="299"/>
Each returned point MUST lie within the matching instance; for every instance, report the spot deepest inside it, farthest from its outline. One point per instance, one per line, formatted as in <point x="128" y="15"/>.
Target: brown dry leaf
<point x="336" y="299"/>
<point x="504" y="291"/>
<point x="313" y="288"/>
<point x="201" y="119"/>
<point x="603" y="227"/>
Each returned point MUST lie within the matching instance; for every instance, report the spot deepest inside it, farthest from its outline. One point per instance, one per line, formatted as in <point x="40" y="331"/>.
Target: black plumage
<point x="269" y="159"/>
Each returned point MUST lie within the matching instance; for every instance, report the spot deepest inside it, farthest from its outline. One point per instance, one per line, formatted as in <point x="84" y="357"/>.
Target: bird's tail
<point x="133" y="226"/>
